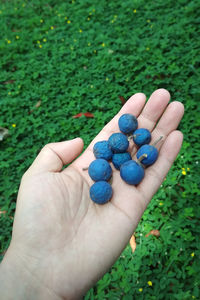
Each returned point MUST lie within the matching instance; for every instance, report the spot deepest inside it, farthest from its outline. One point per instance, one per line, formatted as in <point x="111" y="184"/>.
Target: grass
<point x="61" y="58"/>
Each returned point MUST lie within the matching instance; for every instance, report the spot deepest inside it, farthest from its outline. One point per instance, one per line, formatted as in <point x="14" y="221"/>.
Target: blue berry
<point x="102" y="150"/>
<point x="141" y="136"/>
<point x="131" y="172"/>
<point x="119" y="158"/>
<point x="127" y="123"/>
<point x="99" y="169"/>
<point x="101" y="192"/>
<point x="150" y="151"/>
<point x="118" y="142"/>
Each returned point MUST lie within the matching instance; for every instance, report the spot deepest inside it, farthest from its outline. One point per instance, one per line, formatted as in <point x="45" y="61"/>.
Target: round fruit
<point x="127" y="123"/>
<point x="102" y="150"/>
<point x="101" y="192"/>
<point x="150" y="151"/>
<point x="99" y="169"/>
<point x="141" y="136"/>
<point x="118" y="142"/>
<point x="120" y="158"/>
<point x="131" y="172"/>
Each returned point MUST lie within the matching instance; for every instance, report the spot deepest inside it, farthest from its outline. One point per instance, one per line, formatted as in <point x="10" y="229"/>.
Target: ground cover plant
<point x="66" y="69"/>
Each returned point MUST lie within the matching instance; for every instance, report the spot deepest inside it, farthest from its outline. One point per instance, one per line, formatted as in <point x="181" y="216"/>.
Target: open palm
<point x="62" y="238"/>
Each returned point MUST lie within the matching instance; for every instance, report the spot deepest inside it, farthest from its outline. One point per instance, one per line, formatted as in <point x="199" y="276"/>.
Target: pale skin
<point x="62" y="242"/>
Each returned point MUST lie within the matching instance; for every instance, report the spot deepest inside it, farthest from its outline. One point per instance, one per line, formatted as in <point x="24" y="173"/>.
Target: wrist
<point x="17" y="282"/>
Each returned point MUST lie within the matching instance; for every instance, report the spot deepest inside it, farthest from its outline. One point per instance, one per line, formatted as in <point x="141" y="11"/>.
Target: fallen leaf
<point x="7" y="81"/>
<point x="132" y="243"/>
<point x="3" y="133"/>
<point x="3" y="212"/>
<point x="122" y="99"/>
<point x="38" y="103"/>
<point x="77" y="116"/>
<point x="154" y="232"/>
<point x="88" y="115"/>
<point x="15" y="30"/>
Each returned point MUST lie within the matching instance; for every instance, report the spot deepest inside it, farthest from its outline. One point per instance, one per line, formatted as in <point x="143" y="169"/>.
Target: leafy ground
<point x="61" y="58"/>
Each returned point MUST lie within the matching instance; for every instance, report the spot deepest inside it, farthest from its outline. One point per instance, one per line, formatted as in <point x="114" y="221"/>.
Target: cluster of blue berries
<point x="115" y="149"/>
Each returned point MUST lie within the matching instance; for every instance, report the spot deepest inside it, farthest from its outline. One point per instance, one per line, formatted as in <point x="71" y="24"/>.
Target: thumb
<point x="54" y="156"/>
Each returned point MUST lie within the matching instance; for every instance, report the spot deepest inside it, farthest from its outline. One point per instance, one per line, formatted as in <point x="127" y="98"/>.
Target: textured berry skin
<point x="131" y="172"/>
<point x="120" y="158"/>
<point x="127" y="123"/>
<point x="118" y="142"/>
<point x="101" y="192"/>
<point x="152" y="154"/>
<point x="99" y="169"/>
<point x="141" y="136"/>
<point x="102" y="150"/>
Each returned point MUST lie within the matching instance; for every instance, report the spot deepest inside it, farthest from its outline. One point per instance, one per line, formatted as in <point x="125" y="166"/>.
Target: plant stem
<point x="130" y="137"/>
<point x="142" y="157"/>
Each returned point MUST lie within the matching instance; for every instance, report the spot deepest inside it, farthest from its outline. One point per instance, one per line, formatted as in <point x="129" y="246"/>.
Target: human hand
<point x="62" y="242"/>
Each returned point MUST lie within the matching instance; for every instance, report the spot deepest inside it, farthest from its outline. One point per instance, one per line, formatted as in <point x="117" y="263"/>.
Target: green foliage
<point x="60" y="58"/>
